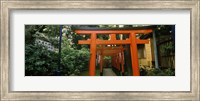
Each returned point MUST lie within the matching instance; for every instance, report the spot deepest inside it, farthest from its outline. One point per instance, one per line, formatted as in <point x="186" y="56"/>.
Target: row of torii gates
<point x="117" y="53"/>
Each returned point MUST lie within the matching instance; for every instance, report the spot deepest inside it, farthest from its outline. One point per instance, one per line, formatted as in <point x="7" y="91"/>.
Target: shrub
<point x="39" y="61"/>
<point x="148" y="71"/>
<point x="73" y="60"/>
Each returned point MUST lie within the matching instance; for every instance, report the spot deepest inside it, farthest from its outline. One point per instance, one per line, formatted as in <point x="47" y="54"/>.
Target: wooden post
<point x="112" y="36"/>
<point x="115" y="65"/>
<point x="101" y="65"/>
<point x="118" y="62"/>
<point x="122" y="63"/>
<point x="134" y="55"/>
<point x="92" y="55"/>
<point x="155" y="50"/>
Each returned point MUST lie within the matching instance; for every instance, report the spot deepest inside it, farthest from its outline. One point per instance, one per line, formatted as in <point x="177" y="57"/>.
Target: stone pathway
<point x="108" y="72"/>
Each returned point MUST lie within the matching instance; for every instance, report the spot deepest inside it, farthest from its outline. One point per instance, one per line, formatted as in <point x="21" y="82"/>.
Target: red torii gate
<point x="117" y="54"/>
<point x="132" y="40"/>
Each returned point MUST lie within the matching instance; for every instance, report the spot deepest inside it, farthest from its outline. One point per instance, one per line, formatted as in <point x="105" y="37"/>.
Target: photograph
<point x="108" y="50"/>
<point x="100" y="50"/>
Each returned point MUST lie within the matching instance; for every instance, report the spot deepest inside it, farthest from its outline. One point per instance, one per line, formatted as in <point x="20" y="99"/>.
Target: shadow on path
<point x="108" y="72"/>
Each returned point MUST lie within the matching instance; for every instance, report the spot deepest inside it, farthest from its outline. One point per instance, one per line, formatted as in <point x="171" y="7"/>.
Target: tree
<point x="73" y="61"/>
<point x="30" y="31"/>
<point x="39" y="61"/>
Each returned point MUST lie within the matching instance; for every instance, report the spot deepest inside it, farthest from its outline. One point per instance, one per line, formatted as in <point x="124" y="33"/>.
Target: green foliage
<point x="156" y="72"/>
<point x="52" y="30"/>
<point x="39" y="61"/>
<point x="30" y="31"/>
<point x="167" y="48"/>
<point x="103" y="36"/>
<point x="169" y="71"/>
<point x="48" y="33"/>
<point x="107" y="61"/>
<point x="73" y="61"/>
<point x="73" y="38"/>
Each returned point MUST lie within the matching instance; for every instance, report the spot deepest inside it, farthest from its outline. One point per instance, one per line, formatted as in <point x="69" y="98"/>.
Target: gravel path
<point x="108" y="72"/>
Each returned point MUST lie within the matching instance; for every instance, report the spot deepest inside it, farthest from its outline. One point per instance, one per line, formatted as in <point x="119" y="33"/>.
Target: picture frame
<point x="7" y="6"/>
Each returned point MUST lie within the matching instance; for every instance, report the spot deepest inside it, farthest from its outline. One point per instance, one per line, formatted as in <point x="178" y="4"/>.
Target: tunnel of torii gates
<point x="116" y="53"/>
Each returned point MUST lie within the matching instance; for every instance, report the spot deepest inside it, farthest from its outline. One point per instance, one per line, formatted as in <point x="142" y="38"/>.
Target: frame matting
<point x="8" y="5"/>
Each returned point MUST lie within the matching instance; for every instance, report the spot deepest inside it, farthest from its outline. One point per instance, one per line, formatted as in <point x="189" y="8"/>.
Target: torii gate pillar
<point x="92" y="55"/>
<point x="134" y="55"/>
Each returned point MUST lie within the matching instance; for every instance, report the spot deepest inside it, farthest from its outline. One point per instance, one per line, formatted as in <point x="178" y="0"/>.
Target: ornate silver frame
<point x="8" y="5"/>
